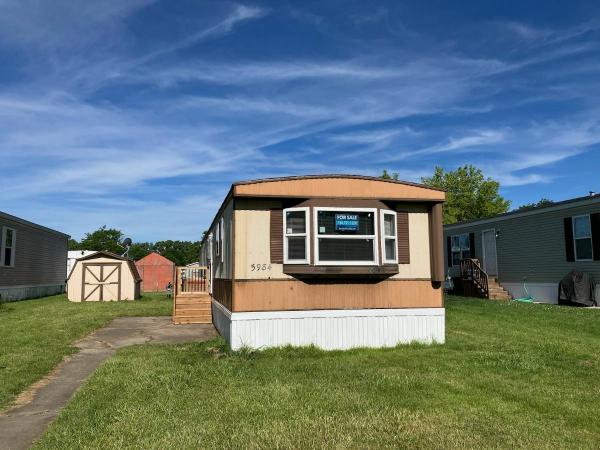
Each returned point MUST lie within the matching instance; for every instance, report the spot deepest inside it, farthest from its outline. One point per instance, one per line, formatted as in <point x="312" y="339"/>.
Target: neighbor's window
<point x="389" y="242"/>
<point x="345" y="236"/>
<point x="221" y="233"/>
<point x="582" y="237"/>
<point x="461" y="248"/>
<point x="295" y="236"/>
<point x="9" y="240"/>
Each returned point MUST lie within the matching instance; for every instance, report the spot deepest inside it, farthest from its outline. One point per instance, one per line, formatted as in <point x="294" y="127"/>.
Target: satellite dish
<point x="126" y="244"/>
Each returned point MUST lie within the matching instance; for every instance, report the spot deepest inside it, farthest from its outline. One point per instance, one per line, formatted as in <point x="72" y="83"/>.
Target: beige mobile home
<point x="102" y="277"/>
<point x="337" y="261"/>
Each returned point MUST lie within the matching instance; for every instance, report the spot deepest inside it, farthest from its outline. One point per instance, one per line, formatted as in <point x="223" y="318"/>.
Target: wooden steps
<point x="496" y="291"/>
<point x="192" y="308"/>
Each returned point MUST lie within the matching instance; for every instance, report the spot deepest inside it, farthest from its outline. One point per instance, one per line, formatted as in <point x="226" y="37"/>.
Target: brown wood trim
<point x="276" y="235"/>
<point x="303" y="269"/>
<point x="436" y="243"/>
<point x="251" y="280"/>
<point x="232" y="251"/>
<point x="383" y="199"/>
<point x="341" y="202"/>
<point x="288" y="295"/>
<point x="223" y="292"/>
<point x="403" y="234"/>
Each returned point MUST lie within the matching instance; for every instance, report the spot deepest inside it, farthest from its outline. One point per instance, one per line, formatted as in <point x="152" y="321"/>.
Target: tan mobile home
<point x="337" y="261"/>
<point x="102" y="277"/>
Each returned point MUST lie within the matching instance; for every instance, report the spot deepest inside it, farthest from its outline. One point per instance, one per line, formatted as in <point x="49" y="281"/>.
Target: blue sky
<point x="139" y="114"/>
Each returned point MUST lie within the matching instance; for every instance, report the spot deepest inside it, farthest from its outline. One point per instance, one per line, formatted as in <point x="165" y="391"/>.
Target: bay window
<point x="345" y="236"/>
<point x="389" y="237"/>
<point x="296" y="235"/>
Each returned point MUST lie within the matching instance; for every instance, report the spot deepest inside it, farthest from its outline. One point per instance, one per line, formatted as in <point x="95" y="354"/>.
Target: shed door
<point x="490" y="260"/>
<point x="101" y="282"/>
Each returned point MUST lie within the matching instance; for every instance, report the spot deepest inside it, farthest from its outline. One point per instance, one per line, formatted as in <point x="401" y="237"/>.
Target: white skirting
<point x="330" y="329"/>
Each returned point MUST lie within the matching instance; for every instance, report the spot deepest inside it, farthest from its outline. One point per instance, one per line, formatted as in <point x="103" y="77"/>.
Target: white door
<point x="490" y="261"/>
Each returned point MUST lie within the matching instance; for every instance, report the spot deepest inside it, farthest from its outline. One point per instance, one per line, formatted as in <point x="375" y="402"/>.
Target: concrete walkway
<point x="22" y="424"/>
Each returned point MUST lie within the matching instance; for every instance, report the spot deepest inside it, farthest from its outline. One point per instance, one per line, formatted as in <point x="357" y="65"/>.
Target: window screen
<point x="296" y="235"/>
<point x="346" y="249"/>
<point x="582" y="235"/>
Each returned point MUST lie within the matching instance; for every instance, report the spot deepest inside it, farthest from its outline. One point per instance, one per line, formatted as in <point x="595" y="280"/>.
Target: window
<point x="582" y="238"/>
<point x="295" y="236"/>
<point x="218" y="239"/>
<point x="221" y="233"/>
<point x="461" y="248"/>
<point x="389" y="239"/>
<point x="345" y="236"/>
<point x="7" y="247"/>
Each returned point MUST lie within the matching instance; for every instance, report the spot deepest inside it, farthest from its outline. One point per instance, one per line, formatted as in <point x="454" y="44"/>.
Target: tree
<point x="469" y="194"/>
<point x="180" y="252"/>
<point x="539" y="204"/>
<point x="102" y="239"/>
<point x="387" y="176"/>
<point x="140" y="249"/>
<point x="73" y="244"/>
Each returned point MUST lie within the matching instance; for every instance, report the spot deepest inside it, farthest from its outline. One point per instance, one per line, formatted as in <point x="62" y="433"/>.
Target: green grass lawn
<point x="36" y="334"/>
<point x="510" y="375"/>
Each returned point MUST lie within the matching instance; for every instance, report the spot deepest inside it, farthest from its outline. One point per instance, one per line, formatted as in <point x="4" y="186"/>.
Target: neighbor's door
<point x="490" y="260"/>
<point x="101" y="282"/>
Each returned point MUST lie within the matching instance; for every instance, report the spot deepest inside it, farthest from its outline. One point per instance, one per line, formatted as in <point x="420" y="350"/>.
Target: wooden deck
<point x="191" y="297"/>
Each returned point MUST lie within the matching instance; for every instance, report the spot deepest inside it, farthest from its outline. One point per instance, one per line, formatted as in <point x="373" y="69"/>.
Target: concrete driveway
<point x="23" y="423"/>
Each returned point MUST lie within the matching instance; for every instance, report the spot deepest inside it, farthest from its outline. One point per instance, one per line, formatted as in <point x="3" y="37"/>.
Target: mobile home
<point x="532" y="249"/>
<point x="337" y="261"/>
<point x="32" y="259"/>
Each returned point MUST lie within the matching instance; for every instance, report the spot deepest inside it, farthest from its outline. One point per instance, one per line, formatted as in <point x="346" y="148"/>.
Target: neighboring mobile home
<point x="540" y="245"/>
<point x="337" y="261"/>
<point x="32" y="259"/>
<point x="74" y="255"/>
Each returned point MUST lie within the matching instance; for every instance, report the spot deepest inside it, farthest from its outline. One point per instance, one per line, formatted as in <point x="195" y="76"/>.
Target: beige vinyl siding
<point x="531" y="246"/>
<point x="40" y="256"/>
<point x="253" y="245"/>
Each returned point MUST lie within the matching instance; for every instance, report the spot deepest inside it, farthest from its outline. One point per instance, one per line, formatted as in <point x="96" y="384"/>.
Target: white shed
<point x="74" y="255"/>
<point x="103" y="276"/>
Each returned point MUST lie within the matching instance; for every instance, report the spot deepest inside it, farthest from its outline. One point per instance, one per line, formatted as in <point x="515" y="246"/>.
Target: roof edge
<point x="348" y="176"/>
<point x="31" y="224"/>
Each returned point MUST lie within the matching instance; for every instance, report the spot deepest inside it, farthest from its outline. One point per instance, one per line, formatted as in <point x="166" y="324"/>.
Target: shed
<point x="156" y="271"/>
<point x="103" y="276"/>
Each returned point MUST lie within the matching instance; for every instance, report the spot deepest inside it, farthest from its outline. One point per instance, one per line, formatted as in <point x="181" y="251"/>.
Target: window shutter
<point x="276" y="236"/>
<point x="569" y="249"/>
<point x="403" y="237"/>
<point x="472" y="244"/>
<point x="449" y="250"/>
<point x="595" y="222"/>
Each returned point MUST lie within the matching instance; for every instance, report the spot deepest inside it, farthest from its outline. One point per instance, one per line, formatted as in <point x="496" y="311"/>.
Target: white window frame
<point x="13" y="246"/>
<point x="385" y="237"/>
<point x="306" y="235"/>
<point x="585" y="237"/>
<point x="221" y="227"/>
<point x="374" y="236"/>
<point x="460" y="250"/>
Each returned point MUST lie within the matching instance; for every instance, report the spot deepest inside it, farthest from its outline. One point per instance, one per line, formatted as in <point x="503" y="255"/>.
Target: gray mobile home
<point x="540" y="245"/>
<point x="32" y="259"/>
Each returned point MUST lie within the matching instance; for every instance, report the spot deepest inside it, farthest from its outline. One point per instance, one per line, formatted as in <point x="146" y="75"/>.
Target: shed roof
<point x="154" y="259"/>
<point x="107" y="254"/>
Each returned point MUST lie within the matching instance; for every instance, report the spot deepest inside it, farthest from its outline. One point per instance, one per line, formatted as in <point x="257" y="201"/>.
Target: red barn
<point x="156" y="272"/>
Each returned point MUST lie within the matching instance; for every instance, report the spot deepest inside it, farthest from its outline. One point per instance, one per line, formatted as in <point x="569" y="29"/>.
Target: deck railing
<point x="191" y="280"/>
<point x="471" y="270"/>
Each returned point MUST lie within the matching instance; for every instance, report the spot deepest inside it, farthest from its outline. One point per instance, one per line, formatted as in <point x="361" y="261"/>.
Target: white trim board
<point x="330" y="329"/>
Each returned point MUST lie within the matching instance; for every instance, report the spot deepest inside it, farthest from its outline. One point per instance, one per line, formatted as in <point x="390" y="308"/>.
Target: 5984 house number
<point x="260" y="267"/>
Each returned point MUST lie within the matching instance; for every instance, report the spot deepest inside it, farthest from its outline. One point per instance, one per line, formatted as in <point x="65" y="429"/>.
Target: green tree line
<point x="180" y="252"/>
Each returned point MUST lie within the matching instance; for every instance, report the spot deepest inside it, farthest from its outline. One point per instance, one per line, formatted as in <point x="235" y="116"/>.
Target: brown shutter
<point x="595" y="222"/>
<point x="569" y="249"/>
<point x="472" y="244"/>
<point x="403" y="238"/>
<point x="449" y="250"/>
<point x="277" y="236"/>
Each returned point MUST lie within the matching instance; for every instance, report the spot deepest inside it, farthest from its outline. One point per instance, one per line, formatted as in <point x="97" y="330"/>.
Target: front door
<point x="101" y="281"/>
<point x="490" y="261"/>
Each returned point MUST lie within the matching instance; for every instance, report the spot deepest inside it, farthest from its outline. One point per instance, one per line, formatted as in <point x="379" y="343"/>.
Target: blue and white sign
<point x="346" y="222"/>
